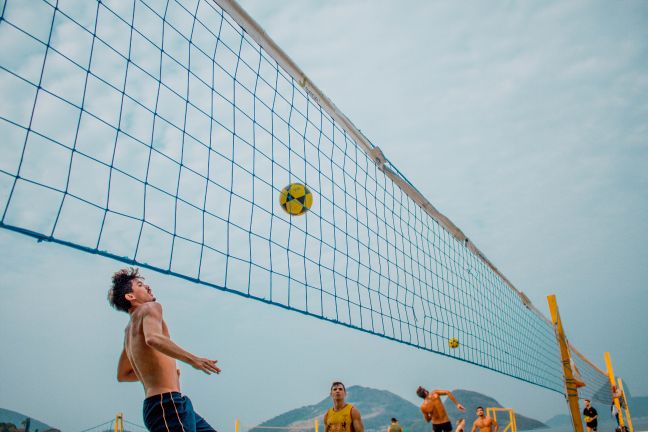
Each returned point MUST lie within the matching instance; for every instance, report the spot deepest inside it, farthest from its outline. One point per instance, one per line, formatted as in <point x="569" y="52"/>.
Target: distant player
<point x="484" y="423"/>
<point x="343" y="417"/>
<point x="394" y="426"/>
<point x="433" y="409"/>
<point x="616" y="394"/>
<point x="149" y="356"/>
<point x="460" y="425"/>
<point x="591" y="416"/>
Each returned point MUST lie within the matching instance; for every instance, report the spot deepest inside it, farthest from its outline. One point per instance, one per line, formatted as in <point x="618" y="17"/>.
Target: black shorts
<point x="173" y="412"/>
<point x="592" y="425"/>
<point x="442" y="427"/>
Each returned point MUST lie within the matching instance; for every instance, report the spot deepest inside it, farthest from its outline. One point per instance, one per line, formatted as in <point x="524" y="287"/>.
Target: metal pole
<point x="627" y="405"/>
<point x="571" y="391"/>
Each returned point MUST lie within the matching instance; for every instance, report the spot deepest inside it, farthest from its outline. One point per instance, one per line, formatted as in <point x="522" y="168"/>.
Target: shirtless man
<point x="484" y="423"/>
<point x="343" y="417"/>
<point x="149" y="356"/>
<point x="433" y="409"/>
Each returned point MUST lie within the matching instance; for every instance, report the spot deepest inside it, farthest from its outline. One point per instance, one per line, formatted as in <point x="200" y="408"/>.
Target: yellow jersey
<point x="339" y="421"/>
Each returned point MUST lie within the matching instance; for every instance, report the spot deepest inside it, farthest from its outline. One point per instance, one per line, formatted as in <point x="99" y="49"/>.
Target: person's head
<point x="587" y="403"/>
<point x="338" y="391"/>
<point x="421" y="392"/>
<point x="394" y="420"/>
<point x="480" y="411"/>
<point x="128" y="290"/>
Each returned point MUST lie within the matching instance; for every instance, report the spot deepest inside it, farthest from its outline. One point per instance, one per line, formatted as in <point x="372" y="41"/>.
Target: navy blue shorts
<point x="173" y="412"/>
<point x="442" y="427"/>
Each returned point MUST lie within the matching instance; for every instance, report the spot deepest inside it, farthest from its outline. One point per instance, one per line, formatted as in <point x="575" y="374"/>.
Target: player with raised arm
<point x="149" y="356"/>
<point x="433" y="409"/>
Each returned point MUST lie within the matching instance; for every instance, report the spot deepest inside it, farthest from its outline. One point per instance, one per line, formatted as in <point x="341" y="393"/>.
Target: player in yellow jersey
<point x="343" y="417"/>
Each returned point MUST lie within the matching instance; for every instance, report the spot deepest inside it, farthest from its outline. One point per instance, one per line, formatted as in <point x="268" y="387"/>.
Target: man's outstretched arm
<point x="451" y="397"/>
<point x="156" y="339"/>
<point x="125" y="371"/>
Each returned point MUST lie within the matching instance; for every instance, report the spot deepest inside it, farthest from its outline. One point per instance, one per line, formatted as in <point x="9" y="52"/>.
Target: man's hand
<point x="461" y="407"/>
<point x="206" y="365"/>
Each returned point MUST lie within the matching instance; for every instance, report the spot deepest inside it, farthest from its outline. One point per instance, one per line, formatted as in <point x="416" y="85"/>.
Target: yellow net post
<point x="316" y="424"/>
<point x="627" y="405"/>
<point x="511" y="426"/>
<point x="119" y="422"/>
<point x="571" y="391"/>
<point x="236" y="425"/>
<point x="615" y="394"/>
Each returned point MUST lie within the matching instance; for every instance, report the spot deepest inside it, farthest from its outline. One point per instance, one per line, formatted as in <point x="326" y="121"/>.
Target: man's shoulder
<point x="150" y="308"/>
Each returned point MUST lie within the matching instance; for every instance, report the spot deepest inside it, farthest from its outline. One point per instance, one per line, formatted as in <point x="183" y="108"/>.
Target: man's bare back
<point x="157" y="371"/>
<point x="433" y="407"/>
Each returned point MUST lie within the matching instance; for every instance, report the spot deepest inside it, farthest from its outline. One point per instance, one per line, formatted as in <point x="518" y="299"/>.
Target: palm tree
<point x="26" y="423"/>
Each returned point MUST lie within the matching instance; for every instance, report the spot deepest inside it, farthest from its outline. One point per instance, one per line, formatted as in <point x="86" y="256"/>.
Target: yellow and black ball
<point x="296" y="199"/>
<point x="453" y="342"/>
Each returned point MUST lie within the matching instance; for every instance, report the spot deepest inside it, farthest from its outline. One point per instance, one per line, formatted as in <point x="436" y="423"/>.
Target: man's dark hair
<point x="479" y="407"/>
<point x="587" y="400"/>
<point x="121" y="285"/>
<point x="421" y="392"/>
<point x="394" y="420"/>
<point x="336" y="383"/>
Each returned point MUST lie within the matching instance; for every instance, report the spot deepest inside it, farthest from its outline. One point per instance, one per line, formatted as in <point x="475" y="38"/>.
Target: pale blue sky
<point x="525" y="123"/>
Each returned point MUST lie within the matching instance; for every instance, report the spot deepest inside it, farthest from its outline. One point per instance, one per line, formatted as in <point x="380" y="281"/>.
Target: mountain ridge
<point x="16" y="418"/>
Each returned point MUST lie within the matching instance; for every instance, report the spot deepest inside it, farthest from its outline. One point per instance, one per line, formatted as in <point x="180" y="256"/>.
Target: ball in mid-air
<point x="296" y="199"/>
<point x="453" y="342"/>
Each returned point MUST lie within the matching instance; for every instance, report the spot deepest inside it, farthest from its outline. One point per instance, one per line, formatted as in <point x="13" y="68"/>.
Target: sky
<point x="524" y="123"/>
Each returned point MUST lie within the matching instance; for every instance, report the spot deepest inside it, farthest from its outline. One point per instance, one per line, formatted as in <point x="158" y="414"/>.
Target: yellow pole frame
<point x="512" y="425"/>
<point x="627" y="405"/>
<point x="316" y="424"/>
<point x="571" y="391"/>
<point x="610" y="372"/>
<point x="119" y="422"/>
<point x="236" y="425"/>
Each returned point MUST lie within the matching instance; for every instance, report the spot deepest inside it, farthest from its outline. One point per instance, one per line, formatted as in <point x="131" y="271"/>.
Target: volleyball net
<point x="160" y="133"/>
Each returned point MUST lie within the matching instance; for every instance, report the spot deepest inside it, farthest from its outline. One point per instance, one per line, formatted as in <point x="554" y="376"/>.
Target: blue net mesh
<point x="160" y="133"/>
<point x="597" y="384"/>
